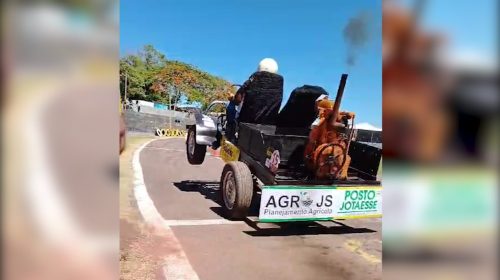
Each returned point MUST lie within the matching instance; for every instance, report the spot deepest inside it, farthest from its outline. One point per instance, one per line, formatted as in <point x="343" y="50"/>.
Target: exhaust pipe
<point x="338" y="98"/>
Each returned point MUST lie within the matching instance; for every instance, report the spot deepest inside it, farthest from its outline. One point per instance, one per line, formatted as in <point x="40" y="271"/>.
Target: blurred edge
<point x="60" y="127"/>
<point x="440" y="118"/>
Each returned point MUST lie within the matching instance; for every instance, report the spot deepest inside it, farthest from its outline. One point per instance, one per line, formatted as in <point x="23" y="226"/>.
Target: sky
<point x="469" y="26"/>
<point x="229" y="38"/>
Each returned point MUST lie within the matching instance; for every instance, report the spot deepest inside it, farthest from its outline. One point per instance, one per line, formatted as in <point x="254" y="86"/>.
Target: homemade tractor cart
<point x="301" y="173"/>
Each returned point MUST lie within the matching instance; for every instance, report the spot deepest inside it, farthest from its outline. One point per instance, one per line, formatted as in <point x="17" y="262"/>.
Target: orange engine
<point x="326" y="152"/>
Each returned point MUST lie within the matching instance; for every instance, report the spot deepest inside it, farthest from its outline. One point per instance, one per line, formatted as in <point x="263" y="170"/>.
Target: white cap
<point x="268" y="65"/>
<point x="321" y="97"/>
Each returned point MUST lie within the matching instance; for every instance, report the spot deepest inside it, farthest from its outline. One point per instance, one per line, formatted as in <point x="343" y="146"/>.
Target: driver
<point x="236" y="102"/>
<point x="267" y="65"/>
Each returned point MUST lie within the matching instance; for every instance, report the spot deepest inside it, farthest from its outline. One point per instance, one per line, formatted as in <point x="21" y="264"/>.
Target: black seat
<point x="300" y="110"/>
<point x="263" y="96"/>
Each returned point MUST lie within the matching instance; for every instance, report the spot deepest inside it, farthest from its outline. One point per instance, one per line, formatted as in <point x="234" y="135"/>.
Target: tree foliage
<point x="150" y="76"/>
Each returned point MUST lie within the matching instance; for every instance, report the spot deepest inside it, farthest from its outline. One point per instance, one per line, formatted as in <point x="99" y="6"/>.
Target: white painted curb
<point x="176" y="265"/>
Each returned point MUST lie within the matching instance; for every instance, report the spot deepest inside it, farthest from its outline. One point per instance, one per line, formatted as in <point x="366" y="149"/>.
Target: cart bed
<point x="257" y="142"/>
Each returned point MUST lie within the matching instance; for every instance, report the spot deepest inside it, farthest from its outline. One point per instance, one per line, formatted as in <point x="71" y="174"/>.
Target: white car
<point x="205" y="131"/>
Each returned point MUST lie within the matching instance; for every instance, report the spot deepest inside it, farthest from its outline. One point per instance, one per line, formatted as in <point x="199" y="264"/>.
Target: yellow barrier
<point x="170" y="132"/>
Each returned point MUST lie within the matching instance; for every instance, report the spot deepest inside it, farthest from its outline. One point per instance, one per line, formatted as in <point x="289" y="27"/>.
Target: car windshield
<point x="216" y="109"/>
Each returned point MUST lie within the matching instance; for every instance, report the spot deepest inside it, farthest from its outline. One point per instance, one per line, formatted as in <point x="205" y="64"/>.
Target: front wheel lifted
<point x="195" y="152"/>
<point x="236" y="186"/>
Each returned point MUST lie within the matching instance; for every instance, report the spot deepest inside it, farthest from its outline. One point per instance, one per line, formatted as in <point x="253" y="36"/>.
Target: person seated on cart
<point x="258" y="100"/>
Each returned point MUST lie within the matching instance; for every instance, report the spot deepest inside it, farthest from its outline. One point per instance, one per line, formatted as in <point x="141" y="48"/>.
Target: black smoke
<point x="357" y="33"/>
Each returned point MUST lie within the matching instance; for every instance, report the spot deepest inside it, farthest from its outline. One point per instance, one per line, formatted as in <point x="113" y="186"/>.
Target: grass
<point x="135" y="260"/>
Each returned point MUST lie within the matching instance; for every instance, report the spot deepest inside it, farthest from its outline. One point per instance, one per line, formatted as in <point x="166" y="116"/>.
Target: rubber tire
<point x="199" y="150"/>
<point x="243" y="187"/>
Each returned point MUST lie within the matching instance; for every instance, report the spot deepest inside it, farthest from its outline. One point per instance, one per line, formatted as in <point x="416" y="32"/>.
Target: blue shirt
<point x="231" y="111"/>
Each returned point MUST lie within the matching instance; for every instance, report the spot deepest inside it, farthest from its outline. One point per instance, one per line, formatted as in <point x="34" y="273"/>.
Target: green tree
<point x="196" y="84"/>
<point x="150" y="76"/>
<point x="132" y="77"/>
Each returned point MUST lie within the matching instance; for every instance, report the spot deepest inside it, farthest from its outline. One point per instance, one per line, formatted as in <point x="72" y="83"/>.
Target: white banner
<point x="288" y="203"/>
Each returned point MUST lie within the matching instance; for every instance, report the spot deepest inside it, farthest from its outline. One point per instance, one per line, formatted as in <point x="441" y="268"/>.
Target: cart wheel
<point x="195" y="152"/>
<point x="236" y="187"/>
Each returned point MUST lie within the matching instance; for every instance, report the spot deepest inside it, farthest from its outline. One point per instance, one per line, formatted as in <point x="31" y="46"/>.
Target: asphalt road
<point x="188" y="200"/>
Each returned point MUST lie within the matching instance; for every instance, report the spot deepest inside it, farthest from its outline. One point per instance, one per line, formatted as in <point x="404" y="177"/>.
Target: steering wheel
<point x="221" y="121"/>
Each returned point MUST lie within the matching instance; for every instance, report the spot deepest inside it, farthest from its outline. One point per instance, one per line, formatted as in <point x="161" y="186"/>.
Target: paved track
<point x="187" y="199"/>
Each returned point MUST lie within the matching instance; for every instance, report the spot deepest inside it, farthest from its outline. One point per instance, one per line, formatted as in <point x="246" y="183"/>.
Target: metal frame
<point x="206" y="126"/>
<point x="267" y="178"/>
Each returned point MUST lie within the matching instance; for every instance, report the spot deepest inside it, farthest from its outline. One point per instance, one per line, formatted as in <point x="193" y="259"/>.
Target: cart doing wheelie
<point x="292" y="175"/>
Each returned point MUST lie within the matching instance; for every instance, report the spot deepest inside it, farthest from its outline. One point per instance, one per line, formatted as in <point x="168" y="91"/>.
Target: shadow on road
<point x="210" y="190"/>
<point x="303" y="228"/>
